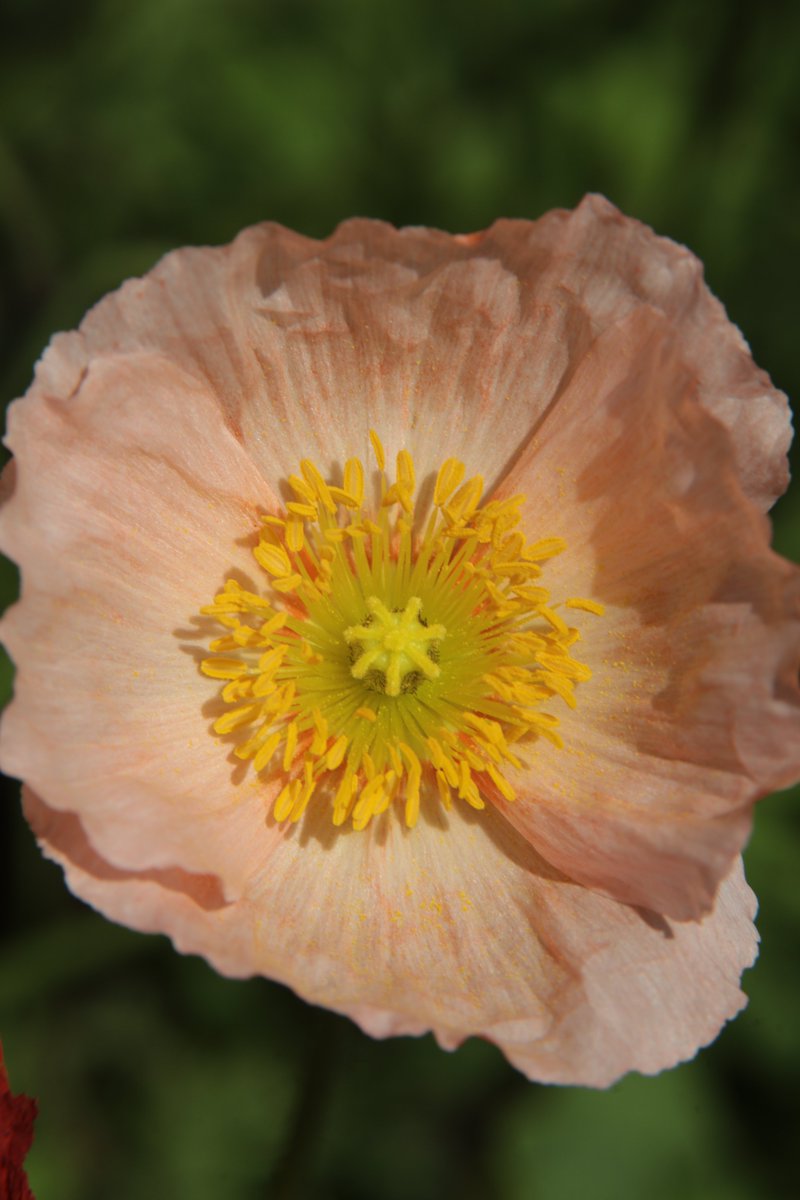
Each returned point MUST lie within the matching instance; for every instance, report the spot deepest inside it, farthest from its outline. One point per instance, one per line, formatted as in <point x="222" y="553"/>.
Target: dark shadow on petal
<point x="513" y="845"/>
<point x="64" y="832"/>
<point x="655" y="921"/>
<point x="8" y="481"/>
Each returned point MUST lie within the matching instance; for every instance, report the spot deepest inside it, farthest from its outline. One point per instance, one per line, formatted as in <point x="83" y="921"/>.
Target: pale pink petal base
<point x="461" y="930"/>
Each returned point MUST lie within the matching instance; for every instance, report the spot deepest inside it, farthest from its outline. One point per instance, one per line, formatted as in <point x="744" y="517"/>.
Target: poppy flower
<point x="17" y="1115"/>
<point x="399" y="622"/>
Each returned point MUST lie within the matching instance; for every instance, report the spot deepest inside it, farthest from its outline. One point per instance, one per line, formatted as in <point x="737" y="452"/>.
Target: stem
<point x="289" y="1179"/>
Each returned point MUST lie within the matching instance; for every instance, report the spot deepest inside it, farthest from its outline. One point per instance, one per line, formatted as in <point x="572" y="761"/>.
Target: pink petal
<point x="693" y="710"/>
<point x="458" y="927"/>
<point x="304" y="344"/>
<point x="600" y="264"/>
<point x="123" y="530"/>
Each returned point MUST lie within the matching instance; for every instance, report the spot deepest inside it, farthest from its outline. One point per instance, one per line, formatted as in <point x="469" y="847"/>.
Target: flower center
<point x="390" y="659"/>
<point x="395" y="650"/>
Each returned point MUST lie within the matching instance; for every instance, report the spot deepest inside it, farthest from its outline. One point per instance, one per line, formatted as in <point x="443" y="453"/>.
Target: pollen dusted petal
<point x="458" y="928"/>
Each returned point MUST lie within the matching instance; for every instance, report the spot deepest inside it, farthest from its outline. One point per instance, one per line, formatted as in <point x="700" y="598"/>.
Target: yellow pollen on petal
<point x="392" y="660"/>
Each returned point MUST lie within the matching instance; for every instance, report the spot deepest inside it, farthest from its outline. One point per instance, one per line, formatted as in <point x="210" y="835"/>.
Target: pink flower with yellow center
<point x="398" y="621"/>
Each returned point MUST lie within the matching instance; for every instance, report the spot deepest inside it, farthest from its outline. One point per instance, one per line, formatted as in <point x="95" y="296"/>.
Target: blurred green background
<point x="129" y="128"/>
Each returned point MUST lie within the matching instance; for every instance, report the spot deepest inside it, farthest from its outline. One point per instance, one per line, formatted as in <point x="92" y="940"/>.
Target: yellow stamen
<point x="387" y="663"/>
<point x="450" y="475"/>
<point x="590" y="606"/>
<point x="354" y="480"/>
<point x="377" y="448"/>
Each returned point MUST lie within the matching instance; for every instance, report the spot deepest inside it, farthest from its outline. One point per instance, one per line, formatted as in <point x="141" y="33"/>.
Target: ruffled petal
<point x="124" y="526"/>
<point x="306" y="343"/>
<point x="461" y="929"/>
<point x="693" y="710"/>
<point x="607" y="265"/>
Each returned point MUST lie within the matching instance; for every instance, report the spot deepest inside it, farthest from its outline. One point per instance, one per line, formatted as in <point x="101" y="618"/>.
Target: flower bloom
<point x="399" y="621"/>
<point x="17" y="1116"/>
